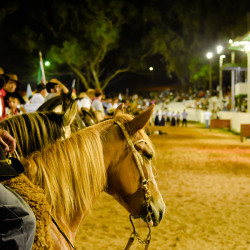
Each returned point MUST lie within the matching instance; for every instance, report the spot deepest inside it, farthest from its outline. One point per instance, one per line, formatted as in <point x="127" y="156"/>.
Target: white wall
<point x="197" y="115"/>
<point x="237" y="118"/>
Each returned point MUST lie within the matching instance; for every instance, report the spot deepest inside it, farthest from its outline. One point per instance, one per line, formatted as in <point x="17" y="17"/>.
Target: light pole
<point x="242" y="44"/>
<point x="247" y="50"/>
<point x="209" y="57"/>
<point x="219" y="50"/>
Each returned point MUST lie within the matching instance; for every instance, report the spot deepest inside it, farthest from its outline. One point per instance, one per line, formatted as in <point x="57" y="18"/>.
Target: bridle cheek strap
<point x="137" y="156"/>
<point x="144" y="182"/>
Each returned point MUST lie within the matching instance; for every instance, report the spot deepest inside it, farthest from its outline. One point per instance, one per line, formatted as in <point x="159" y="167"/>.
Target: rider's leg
<point x="17" y="221"/>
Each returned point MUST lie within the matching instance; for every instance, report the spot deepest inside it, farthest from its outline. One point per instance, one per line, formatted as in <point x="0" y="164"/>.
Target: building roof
<point x="240" y="42"/>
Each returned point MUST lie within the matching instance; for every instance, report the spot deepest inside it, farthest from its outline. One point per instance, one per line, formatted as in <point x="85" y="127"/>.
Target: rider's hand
<point x="7" y="141"/>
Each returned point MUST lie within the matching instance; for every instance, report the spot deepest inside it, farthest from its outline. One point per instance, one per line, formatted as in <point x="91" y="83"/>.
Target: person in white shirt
<point x="207" y="116"/>
<point x="86" y="99"/>
<point x="184" y="118"/>
<point x="97" y="104"/>
<point x="37" y="99"/>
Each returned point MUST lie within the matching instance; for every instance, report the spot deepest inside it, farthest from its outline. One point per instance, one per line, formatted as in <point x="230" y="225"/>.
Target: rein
<point x="144" y="183"/>
<point x="63" y="234"/>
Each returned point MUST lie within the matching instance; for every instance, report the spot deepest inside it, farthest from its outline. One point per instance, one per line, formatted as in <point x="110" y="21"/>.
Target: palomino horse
<point x="33" y="131"/>
<point x="83" y="119"/>
<point x="113" y="156"/>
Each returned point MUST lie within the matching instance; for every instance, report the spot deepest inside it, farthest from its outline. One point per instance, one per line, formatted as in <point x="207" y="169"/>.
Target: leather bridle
<point x="144" y="184"/>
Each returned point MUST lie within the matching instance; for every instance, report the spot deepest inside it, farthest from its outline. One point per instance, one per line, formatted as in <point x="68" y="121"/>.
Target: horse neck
<point x="110" y="140"/>
<point x="107" y="143"/>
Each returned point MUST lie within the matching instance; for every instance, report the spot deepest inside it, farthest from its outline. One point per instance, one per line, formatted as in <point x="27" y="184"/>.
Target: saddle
<point x="35" y="198"/>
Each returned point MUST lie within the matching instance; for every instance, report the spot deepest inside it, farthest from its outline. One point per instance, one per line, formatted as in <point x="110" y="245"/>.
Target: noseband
<point x="144" y="184"/>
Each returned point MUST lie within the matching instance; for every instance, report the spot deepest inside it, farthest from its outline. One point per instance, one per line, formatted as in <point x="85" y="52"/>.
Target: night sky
<point x="217" y="21"/>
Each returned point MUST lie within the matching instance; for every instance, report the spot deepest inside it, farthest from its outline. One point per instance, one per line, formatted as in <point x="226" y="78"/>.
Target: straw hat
<point x="12" y="77"/>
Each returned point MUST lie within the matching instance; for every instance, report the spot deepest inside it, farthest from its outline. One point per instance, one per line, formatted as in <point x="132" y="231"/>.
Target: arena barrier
<point x="244" y="131"/>
<point x="220" y="123"/>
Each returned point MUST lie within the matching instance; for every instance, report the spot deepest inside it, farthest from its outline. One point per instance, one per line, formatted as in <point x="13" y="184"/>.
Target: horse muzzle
<point x="153" y="213"/>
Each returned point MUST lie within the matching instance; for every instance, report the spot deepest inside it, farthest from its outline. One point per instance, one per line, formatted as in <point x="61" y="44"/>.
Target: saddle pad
<point x="36" y="199"/>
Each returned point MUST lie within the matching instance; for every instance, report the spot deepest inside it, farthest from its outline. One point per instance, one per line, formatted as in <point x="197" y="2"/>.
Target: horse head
<point x="60" y="104"/>
<point x="130" y="176"/>
<point x="88" y="116"/>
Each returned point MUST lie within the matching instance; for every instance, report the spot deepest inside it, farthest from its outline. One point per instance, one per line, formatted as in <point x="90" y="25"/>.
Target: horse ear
<point x="119" y="110"/>
<point x="70" y="113"/>
<point x="140" y="121"/>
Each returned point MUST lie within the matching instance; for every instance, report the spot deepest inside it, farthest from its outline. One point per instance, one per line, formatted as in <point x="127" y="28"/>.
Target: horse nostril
<point x="150" y="209"/>
<point x="161" y="212"/>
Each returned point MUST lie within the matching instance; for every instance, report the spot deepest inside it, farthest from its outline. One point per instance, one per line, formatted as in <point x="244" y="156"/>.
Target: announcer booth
<point x="242" y="44"/>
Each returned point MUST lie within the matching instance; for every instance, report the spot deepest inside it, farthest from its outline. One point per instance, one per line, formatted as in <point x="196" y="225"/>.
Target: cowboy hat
<point x="13" y="78"/>
<point x="9" y="167"/>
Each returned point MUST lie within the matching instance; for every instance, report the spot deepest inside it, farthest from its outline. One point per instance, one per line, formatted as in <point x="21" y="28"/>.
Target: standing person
<point x="173" y="121"/>
<point x="97" y="105"/>
<point x="207" y="116"/>
<point x="163" y="119"/>
<point x="184" y="118"/>
<point x="178" y="117"/>
<point x="54" y="88"/>
<point x="17" y="220"/>
<point x="169" y="117"/>
<point x="157" y="119"/>
<point x="37" y="99"/>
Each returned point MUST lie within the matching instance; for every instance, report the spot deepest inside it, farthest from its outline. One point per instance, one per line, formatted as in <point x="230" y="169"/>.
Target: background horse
<point x="33" y="131"/>
<point x="84" y="118"/>
<point x="73" y="172"/>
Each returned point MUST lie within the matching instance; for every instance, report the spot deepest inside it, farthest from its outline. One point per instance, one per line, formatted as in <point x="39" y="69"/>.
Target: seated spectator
<point x="14" y="107"/>
<point x="86" y="99"/>
<point x="9" y="84"/>
<point x="97" y="104"/>
<point x="37" y="99"/>
<point x="54" y="88"/>
<point x="115" y="102"/>
<point x="107" y="104"/>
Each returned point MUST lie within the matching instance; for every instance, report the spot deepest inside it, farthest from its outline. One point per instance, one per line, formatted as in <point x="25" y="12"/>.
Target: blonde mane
<point x="71" y="172"/>
<point x="33" y="131"/>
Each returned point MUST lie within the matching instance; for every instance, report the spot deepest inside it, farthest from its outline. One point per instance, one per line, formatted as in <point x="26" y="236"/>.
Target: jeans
<point x="17" y="221"/>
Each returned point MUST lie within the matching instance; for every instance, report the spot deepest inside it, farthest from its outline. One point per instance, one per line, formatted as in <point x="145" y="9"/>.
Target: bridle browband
<point x="144" y="184"/>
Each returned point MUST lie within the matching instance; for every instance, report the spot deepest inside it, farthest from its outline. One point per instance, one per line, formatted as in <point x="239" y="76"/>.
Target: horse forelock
<point x="33" y="131"/>
<point x="71" y="172"/>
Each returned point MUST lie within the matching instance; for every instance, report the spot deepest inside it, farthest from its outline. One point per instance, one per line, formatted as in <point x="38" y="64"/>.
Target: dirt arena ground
<point x="204" y="178"/>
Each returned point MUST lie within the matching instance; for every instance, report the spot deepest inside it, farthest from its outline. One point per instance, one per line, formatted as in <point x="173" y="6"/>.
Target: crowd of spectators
<point x="13" y="103"/>
<point x="104" y="104"/>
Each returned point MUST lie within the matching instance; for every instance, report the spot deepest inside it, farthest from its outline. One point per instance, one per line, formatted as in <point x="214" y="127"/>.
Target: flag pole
<point x="42" y="68"/>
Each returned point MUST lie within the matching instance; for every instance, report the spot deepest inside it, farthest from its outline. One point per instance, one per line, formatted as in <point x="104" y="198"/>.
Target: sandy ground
<point x="204" y="178"/>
